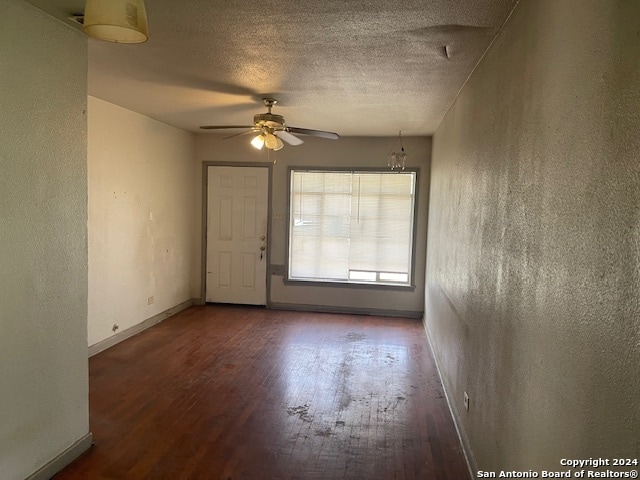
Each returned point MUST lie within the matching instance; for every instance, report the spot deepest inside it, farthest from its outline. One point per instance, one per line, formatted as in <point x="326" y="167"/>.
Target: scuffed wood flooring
<point x="224" y="392"/>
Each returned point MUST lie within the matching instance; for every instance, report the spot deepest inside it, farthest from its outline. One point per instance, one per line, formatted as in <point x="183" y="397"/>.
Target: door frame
<point x="205" y="208"/>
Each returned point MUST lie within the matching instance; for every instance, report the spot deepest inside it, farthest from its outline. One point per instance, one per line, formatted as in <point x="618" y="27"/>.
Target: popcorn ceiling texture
<point x="532" y="297"/>
<point x="43" y="259"/>
<point x="358" y="68"/>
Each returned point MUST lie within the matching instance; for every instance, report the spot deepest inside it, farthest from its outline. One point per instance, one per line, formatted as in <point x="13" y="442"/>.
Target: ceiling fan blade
<point x="289" y="138"/>
<point x="314" y="133"/>
<point x="222" y="127"/>
<point x="241" y="133"/>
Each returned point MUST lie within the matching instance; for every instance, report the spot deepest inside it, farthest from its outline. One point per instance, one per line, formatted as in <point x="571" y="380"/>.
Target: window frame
<point x="346" y="284"/>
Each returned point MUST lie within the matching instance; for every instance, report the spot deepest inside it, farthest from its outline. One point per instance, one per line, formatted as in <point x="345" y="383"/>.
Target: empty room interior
<point x="319" y="240"/>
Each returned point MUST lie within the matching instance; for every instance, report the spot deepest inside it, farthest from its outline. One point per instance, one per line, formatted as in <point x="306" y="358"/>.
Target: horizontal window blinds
<point x="351" y="226"/>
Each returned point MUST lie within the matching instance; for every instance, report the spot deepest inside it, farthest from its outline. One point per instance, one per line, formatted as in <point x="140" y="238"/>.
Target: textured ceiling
<point x="353" y="67"/>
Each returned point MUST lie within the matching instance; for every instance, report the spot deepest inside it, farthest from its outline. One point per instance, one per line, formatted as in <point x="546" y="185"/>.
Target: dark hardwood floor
<point x="223" y="392"/>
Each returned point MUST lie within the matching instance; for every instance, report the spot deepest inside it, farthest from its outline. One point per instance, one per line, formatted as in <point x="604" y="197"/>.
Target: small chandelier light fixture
<point x="119" y="21"/>
<point x="397" y="160"/>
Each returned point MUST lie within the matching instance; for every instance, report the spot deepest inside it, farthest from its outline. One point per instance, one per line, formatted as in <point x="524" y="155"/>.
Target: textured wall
<point x="534" y="239"/>
<point x="43" y="259"/>
<point x="141" y="217"/>
<point x="316" y="152"/>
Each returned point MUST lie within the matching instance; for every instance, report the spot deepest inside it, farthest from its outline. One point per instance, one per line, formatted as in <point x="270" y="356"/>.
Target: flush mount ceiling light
<point x="397" y="160"/>
<point x="120" y="21"/>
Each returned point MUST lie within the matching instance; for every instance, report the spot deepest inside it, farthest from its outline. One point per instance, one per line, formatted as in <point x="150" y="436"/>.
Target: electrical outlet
<point x="466" y="401"/>
<point x="278" y="216"/>
<point x="150" y="300"/>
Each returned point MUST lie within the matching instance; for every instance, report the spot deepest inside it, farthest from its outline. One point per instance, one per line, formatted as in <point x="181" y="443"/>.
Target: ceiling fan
<point x="272" y="129"/>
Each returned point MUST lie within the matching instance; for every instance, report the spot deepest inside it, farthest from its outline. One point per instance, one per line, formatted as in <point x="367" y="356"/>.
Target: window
<point x="351" y="226"/>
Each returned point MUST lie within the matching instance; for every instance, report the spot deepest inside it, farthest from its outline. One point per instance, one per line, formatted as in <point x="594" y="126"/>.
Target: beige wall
<point x="533" y="278"/>
<point x="141" y="217"/>
<point x="43" y="259"/>
<point x="316" y="152"/>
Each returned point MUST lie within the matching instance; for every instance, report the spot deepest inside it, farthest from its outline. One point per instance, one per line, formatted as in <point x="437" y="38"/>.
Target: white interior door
<point x="237" y="204"/>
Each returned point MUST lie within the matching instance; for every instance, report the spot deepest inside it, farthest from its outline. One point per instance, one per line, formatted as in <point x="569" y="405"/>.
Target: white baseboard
<point x="469" y="457"/>
<point x="131" y="331"/>
<point x="64" y="459"/>
<point x="346" y="310"/>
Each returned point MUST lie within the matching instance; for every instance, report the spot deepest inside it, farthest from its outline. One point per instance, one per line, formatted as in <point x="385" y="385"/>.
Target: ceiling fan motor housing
<point x="268" y="120"/>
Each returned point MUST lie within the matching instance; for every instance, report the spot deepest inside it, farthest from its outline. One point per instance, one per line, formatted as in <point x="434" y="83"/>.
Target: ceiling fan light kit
<point x="272" y="130"/>
<point x="258" y="141"/>
<point x="119" y="21"/>
<point x="270" y="141"/>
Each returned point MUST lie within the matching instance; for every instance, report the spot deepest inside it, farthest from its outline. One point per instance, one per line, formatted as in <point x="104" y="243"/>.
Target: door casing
<point x="205" y="216"/>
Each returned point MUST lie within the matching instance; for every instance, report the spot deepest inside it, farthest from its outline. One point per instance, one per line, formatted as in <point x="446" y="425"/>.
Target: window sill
<point x="338" y="284"/>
